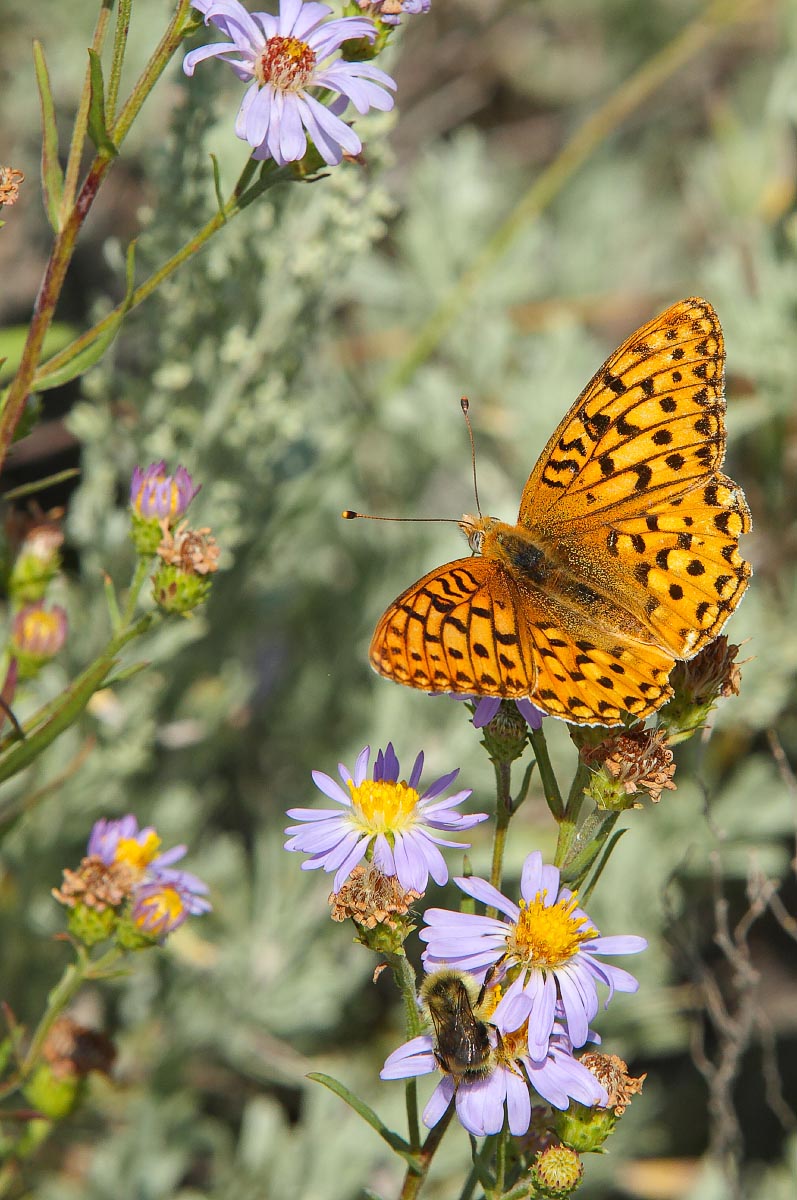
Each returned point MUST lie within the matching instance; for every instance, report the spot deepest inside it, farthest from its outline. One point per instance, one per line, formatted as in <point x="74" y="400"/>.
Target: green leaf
<point x="98" y="130"/>
<point x="393" y="1140"/>
<point x="70" y="706"/>
<point x="52" y="175"/>
<point x="12" y="343"/>
<point x="38" y="485"/>
<point x="93" y="352"/>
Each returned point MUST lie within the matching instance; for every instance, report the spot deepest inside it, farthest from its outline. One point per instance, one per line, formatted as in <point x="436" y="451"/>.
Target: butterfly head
<point x="475" y="529"/>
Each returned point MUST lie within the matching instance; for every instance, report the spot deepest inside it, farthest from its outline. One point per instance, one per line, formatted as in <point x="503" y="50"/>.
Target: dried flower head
<point x="72" y="1049"/>
<point x="96" y="884"/>
<point x="193" y="551"/>
<point x="612" y="1072"/>
<point x="10" y="179"/>
<point x="711" y="673"/>
<point x="371" y="898"/>
<point x="390" y="11"/>
<point x="634" y="760"/>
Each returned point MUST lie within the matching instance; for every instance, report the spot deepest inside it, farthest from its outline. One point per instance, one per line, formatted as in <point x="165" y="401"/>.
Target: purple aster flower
<point x="556" y="1076"/>
<point x="281" y="57"/>
<point x="388" y="816"/>
<point x="390" y="11"/>
<point x="163" y="903"/>
<point x="155" y="495"/>
<point x="548" y="943"/>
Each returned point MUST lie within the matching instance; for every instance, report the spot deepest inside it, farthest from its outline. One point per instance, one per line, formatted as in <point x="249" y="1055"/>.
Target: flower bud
<point x="37" y="635"/>
<point x="36" y="564"/>
<point x="506" y="735"/>
<point x="55" y="1097"/>
<point x="156" y="497"/>
<point x="698" y="684"/>
<point x="584" y="1129"/>
<point x="556" y="1172"/>
<point x="188" y="558"/>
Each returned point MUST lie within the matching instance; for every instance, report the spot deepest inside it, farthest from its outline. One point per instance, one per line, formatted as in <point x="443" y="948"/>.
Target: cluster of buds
<point x="38" y="628"/>
<point x="126" y="889"/>
<point x="187" y="557"/>
<point x="626" y="764"/>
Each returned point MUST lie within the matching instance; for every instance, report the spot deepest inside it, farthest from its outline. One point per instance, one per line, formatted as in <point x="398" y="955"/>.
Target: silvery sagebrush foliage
<point x="210" y="375"/>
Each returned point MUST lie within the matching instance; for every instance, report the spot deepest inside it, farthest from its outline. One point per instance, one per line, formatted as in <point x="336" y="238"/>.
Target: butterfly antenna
<point x="465" y="405"/>
<point x="349" y="514"/>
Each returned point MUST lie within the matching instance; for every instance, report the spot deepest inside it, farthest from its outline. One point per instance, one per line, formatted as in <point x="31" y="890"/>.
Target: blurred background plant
<point x="313" y="358"/>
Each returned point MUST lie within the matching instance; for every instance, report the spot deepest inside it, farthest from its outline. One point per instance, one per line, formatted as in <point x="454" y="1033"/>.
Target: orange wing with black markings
<point x="625" y="556"/>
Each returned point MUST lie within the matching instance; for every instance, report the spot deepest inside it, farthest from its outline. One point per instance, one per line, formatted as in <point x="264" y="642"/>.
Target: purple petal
<point x="415" y="776"/>
<point x="486" y="709"/>
<point x="415" y="1057"/>
<point x="330" y="788"/>
<point x="518" y="1104"/>
<point x="361" y="765"/>
<point x="531" y="876"/>
<point x="438" y="1104"/>
<point x="481" y="890"/>
<point x="628" y="944"/>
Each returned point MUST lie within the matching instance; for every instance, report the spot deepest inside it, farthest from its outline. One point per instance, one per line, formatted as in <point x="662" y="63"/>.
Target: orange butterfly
<point x="624" y="557"/>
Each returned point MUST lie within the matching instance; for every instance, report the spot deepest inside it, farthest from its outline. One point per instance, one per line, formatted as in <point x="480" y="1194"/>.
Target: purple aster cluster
<point x="384" y="817"/>
<point x="161" y="896"/>
<point x="281" y="58"/>
<point x="539" y="966"/>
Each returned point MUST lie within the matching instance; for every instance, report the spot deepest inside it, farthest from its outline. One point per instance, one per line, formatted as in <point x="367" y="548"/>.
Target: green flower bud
<point x="556" y="1172"/>
<point x="584" y="1129"/>
<point x="54" y="1096"/>
<point x="506" y="736"/>
<point x="175" y="591"/>
<point x="90" y="926"/>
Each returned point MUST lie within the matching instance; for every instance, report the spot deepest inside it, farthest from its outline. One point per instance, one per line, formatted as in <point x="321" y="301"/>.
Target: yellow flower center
<point x="161" y="910"/>
<point x="381" y="807"/>
<point x="137" y="855"/>
<point x="546" y="937"/>
<point x="286" y="62"/>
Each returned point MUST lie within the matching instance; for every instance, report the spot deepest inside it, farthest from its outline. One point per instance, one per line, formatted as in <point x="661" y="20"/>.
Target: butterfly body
<point x="624" y="557"/>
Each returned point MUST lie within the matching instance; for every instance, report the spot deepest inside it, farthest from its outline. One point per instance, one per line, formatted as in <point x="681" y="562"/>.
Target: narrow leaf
<point x="52" y="175"/>
<point x="71" y="705"/>
<point x="98" y="130"/>
<point x="393" y="1140"/>
<point x="217" y="184"/>
<point x="93" y="352"/>
<point x="38" y="485"/>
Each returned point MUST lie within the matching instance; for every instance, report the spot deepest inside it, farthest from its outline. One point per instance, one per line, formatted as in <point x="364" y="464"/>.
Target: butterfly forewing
<point x="650" y="423"/>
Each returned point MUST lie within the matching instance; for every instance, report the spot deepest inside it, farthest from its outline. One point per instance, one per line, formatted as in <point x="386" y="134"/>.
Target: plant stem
<point x="65" y="239"/>
<point x="414" y="1179"/>
<point x="73" y="978"/>
<point x="549" y="785"/>
<point x="237" y="202"/>
<point x="503" y="815"/>
<point x="81" y="118"/>
<point x="569" y="822"/>
<point x="407" y="985"/>
<point x="139" y="578"/>
<point x="119" y="47"/>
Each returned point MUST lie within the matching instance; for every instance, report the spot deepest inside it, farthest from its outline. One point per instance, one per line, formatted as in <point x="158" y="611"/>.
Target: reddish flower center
<point x="286" y="62"/>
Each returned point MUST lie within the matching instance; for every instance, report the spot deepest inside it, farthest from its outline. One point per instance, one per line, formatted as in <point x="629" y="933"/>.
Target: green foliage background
<point x="278" y="366"/>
